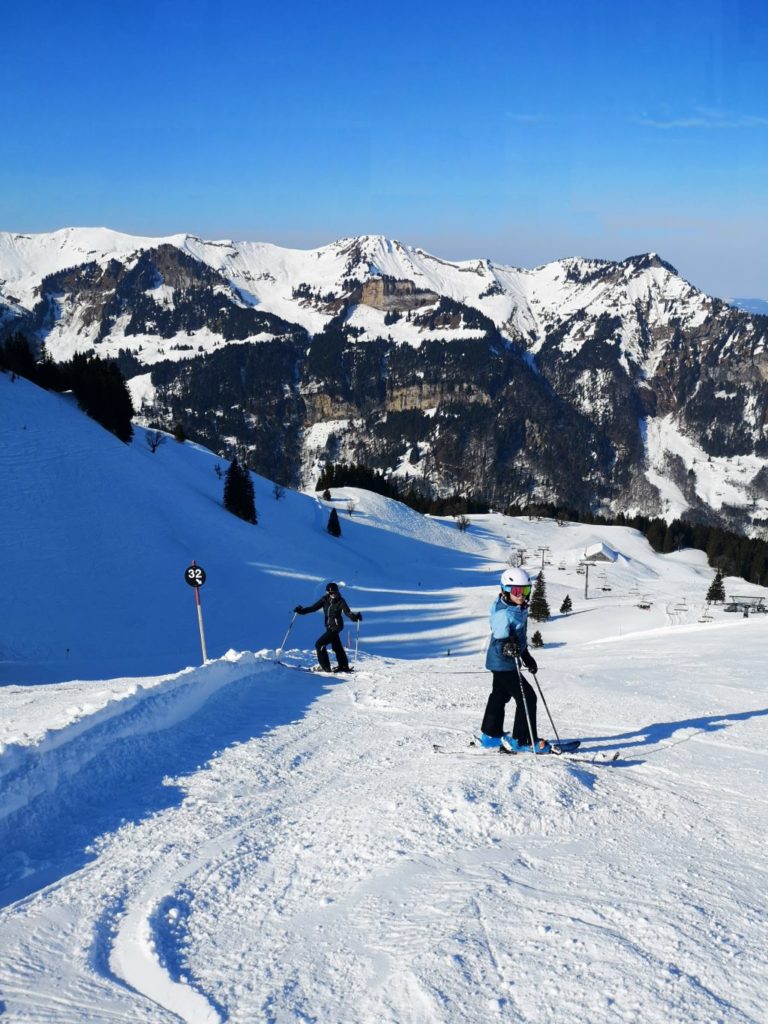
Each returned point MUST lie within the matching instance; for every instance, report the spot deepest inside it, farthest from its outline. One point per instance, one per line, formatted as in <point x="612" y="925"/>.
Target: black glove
<point x="510" y="649"/>
<point x="529" y="661"/>
<point x="298" y="610"/>
<point x="358" y="617"/>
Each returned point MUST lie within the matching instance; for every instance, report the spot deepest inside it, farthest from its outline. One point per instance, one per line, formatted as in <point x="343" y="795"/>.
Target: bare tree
<point x="154" y="439"/>
<point x="462" y="522"/>
<point x="278" y="491"/>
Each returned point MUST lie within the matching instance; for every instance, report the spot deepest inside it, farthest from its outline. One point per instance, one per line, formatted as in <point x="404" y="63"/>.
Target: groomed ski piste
<point x="240" y="842"/>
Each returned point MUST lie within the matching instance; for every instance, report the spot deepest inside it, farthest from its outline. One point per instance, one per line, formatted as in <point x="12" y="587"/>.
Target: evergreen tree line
<point x="97" y="384"/>
<point x="358" y="475"/>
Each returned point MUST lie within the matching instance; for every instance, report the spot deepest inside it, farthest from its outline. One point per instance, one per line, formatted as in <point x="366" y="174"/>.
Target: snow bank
<point x="44" y="776"/>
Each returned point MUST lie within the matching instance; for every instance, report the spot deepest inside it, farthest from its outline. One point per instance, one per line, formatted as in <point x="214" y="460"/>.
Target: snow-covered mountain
<point x="242" y="841"/>
<point x="309" y="287"/>
<point x="598" y="384"/>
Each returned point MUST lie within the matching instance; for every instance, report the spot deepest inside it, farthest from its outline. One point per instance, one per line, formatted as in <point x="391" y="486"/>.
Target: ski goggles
<point x="518" y="591"/>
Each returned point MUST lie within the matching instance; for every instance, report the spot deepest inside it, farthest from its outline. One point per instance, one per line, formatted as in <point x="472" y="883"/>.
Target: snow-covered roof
<point x="600" y="552"/>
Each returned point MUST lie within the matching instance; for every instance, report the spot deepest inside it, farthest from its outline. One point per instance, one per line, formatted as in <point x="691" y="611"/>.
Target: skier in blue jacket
<point x="509" y="619"/>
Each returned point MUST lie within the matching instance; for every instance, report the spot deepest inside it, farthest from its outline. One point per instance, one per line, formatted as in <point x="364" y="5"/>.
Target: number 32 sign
<point x="195" y="577"/>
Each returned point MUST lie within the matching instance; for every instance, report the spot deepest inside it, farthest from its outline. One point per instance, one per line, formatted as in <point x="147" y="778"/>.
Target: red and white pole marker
<point x="195" y="577"/>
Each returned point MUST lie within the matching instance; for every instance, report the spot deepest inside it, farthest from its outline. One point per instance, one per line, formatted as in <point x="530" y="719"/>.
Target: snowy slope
<point x="323" y="863"/>
<point x="243" y="841"/>
<point x="102" y="533"/>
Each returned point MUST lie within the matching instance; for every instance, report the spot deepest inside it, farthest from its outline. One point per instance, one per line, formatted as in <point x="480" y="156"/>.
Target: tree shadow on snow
<point x="401" y="622"/>
<point x="657" y="732"/>
<point x="571" y="615"/>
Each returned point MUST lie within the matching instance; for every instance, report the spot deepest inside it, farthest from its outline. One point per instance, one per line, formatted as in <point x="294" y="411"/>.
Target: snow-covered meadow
<point x="243" y="842"/>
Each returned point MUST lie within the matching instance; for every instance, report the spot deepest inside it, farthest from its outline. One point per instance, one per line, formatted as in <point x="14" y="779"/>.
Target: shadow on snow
<point x="134" y="775"/>
<point x="657" y="732"/>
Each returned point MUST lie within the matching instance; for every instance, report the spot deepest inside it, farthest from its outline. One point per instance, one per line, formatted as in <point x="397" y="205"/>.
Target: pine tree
<point x="238" y="493"/>
<point x="334" y="526"/>
<point x="716" y="592"/>
<point x="567" y="604"/>
<point x="536" y="639"/>
<point x="17" y="356"/>
<point x="101" y="392"/>
<point x="539" y="608"/>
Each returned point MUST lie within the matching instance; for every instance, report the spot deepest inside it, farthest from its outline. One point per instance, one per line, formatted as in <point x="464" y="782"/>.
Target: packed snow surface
<point x="244" y="841"/>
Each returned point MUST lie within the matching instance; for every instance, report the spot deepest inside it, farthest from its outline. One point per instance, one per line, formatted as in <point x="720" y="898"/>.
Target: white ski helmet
<point x="515" y="578"/>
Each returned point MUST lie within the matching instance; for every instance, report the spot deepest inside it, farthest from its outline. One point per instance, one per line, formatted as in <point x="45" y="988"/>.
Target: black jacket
<point x="334" y="609"/>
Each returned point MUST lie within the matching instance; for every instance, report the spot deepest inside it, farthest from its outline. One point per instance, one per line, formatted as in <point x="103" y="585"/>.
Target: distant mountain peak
<point x="648" y="261"/>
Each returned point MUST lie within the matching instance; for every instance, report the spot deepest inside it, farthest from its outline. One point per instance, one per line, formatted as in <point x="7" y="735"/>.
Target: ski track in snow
<point x="333" y="868"/>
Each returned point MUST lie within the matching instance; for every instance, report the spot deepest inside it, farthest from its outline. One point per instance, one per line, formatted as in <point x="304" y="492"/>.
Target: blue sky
<point x="470" y="129"/>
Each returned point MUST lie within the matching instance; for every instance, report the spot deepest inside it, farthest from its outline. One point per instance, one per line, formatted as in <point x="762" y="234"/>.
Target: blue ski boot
<point x="489" y="742"/>
<point x="512" y="746"/>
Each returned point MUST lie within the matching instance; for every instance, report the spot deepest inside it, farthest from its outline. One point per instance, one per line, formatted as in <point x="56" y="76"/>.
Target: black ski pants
<point x="506" y="687"/>
<point x="331" y="636"/>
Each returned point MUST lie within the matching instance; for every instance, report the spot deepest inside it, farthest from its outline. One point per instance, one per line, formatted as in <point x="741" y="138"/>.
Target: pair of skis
<point x="318" y="669"/>
<point x="564" y="748"/>
<point x="304" y="668"/>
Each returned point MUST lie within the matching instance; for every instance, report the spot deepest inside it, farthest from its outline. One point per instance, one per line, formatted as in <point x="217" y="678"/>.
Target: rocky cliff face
<point x="587" y="382"/>
<point x="391" y="295"/>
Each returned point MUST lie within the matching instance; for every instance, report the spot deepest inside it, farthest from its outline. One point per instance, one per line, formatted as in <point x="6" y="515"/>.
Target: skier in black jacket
<point x="334" y="609"/>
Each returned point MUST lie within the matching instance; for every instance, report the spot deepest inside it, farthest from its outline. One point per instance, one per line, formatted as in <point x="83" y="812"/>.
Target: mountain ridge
<point x="369" y="350"/>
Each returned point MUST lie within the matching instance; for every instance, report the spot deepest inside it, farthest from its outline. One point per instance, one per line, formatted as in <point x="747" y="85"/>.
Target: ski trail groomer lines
<point x="334" y="609"/>
<point x="509" y="619"/>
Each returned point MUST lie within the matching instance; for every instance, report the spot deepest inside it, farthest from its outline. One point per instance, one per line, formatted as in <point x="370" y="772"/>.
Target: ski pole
<point x="544" y="699"/>
<point x="282" y="645"/>
<point x="519" y="663"/>
<point x="357" y="641"/>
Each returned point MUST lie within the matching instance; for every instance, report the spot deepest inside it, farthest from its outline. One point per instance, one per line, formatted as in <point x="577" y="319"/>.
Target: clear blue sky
<point x="593" y="128"/>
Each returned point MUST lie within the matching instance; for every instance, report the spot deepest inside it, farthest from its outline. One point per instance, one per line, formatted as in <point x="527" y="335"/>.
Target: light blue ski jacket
<point x="507" y="621"/>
